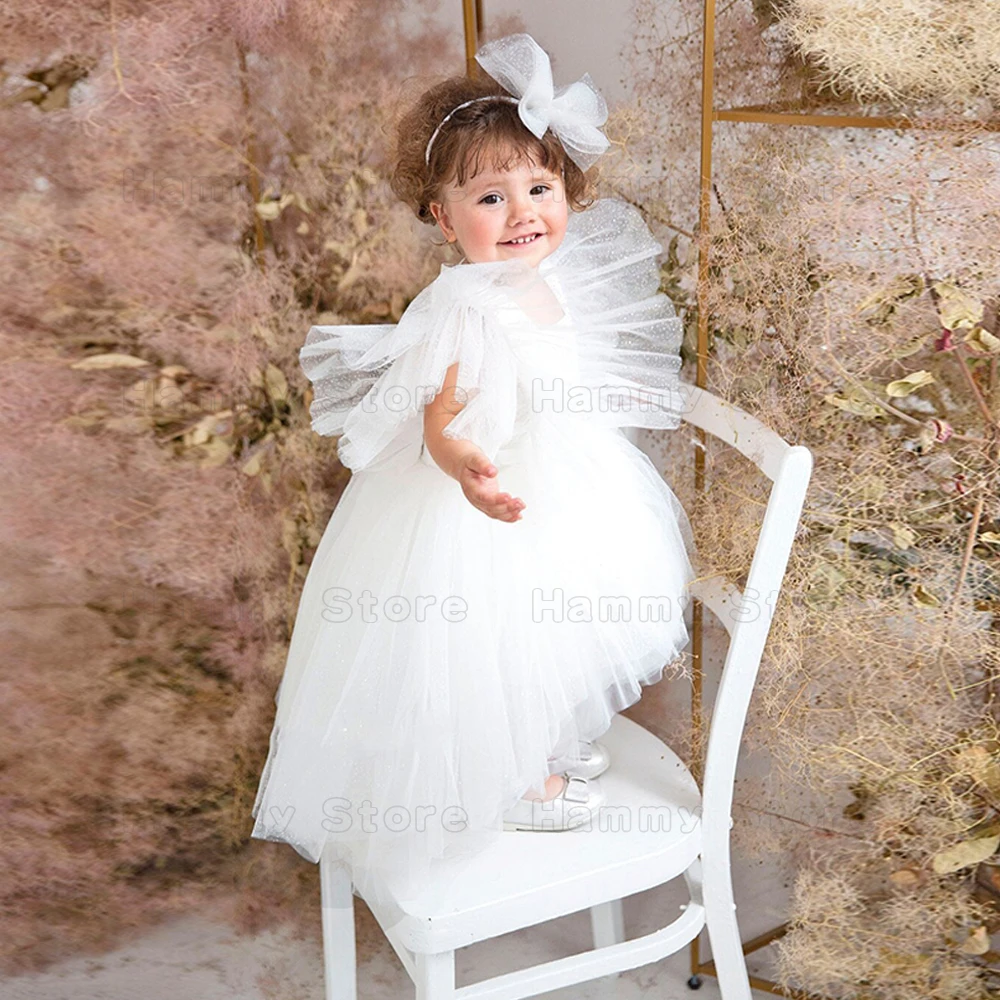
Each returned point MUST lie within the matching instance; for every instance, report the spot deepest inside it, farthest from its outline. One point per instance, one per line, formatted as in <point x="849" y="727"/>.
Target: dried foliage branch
<point x="853" y="306"/>
<point x="883" y="678"/>
<point x="935" y="51"/>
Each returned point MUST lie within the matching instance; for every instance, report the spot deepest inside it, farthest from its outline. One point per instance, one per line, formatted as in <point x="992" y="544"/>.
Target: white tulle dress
<point x="441" y="657"/>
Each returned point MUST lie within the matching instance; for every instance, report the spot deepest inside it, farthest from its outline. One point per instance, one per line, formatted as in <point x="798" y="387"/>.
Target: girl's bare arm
<point x="463" y="460"/>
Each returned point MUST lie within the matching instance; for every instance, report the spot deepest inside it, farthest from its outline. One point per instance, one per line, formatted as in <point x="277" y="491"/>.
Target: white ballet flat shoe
<point x="572" y="807"/>
<point x="594" y="761"/>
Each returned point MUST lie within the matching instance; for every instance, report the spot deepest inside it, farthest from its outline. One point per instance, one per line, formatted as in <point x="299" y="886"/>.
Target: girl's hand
<point x="477" y="477"/>
<point x="463" y="459"/>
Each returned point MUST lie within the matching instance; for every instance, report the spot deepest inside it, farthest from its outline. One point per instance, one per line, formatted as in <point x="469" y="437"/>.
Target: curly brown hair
<point x="485" y="128"/>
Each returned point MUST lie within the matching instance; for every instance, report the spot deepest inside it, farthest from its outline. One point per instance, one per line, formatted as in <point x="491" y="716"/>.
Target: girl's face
<point x="491" y="210"/>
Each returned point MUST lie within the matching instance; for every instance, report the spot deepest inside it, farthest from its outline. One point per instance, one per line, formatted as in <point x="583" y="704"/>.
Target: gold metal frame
<point x="779" y="113"/>
<point x="472" y="21"/>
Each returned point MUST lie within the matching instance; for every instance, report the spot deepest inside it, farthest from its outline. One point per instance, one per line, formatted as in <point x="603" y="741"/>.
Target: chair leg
<point x="435" y="978"/>
<point x="693" y="878"/>
<point x="339" y="955"/>
<point x="727" y="946"/>
<point x="607" y="923"/>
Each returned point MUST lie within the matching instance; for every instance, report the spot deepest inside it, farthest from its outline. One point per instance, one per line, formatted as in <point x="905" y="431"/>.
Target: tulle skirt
<point x="441" y="657"/>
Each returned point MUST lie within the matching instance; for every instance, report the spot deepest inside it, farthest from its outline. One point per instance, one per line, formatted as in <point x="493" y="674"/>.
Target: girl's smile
<point x="522" y="241"/>
<point x="520" y="212"/>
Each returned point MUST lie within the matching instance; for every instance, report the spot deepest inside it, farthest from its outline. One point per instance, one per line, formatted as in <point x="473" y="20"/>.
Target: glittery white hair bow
<point x="574" y="112"/>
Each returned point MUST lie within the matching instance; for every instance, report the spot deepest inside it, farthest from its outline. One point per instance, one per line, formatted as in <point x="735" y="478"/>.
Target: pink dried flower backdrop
<point x="186" y="190"/>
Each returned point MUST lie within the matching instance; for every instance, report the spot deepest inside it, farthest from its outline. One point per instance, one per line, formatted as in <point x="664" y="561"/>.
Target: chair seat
<point x="648" y="832"/>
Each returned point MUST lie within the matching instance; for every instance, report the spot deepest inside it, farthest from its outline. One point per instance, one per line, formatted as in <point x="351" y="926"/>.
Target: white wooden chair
<point x="656" y="825"/>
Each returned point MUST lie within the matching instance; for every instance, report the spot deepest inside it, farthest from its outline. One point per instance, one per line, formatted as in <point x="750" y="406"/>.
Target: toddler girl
<point x="505" y="569"/>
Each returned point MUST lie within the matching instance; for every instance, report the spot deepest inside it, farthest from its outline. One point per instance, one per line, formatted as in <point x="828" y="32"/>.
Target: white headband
<point x="573" y="113"/>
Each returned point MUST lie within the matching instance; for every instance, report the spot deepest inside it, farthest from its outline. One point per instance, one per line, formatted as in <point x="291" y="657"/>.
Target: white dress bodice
<point x="545" y="352"/>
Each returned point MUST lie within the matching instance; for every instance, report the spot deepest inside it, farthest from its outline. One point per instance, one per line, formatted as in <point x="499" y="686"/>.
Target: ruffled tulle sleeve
<point x="371" y="383"/>
<point x="628" y="332"/>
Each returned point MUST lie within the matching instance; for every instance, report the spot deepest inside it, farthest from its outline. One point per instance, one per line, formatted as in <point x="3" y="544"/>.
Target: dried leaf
<point x="903" y="286"/>
<point x="825" y="583"/>
<point x="982" y="341"/>
<point x="957" y="309"/>
<point x="275" y="382"/>
<point x="902" y="536"/>
<point x="859" y="407"/>
<point x="210" y="426"/>
<point x="214" y="453"/>
<point x="98" y="362"/>
<point x="359" y="219"/>
<point x="977" y="943"/>
<point x="982" y="766"/>
<point x="252" y="466"/>
<point x="910" y="347"/>
<point x="964" y="854"/>
<point x="990" y="537"/>
<point x="924" y="597"/>
<point x="168" y="393"/>
<point x="904" y="386"/>
<point x="270" y="210"/>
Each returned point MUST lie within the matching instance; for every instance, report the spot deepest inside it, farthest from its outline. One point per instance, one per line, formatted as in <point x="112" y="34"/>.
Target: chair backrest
<point x="745" y="614"/>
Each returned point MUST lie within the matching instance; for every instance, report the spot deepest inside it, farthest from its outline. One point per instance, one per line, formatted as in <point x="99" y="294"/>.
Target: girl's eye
<point x="483" y="201"/>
